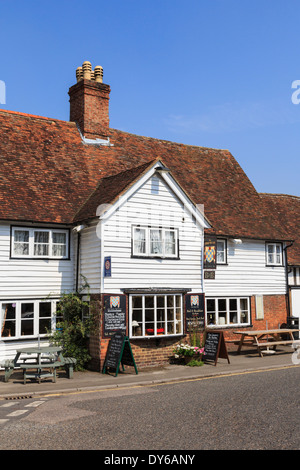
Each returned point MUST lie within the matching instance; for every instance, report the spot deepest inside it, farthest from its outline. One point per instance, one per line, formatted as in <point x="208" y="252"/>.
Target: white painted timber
<point x="152" y="204"/>
<point x="32" y="278"/>
<point x="246" y="273"/>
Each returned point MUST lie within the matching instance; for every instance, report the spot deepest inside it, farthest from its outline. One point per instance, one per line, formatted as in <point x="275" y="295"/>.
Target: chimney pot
<point x="98" y="74"/>
<point x="87" y="69"/>
<point x="79" y="74"/>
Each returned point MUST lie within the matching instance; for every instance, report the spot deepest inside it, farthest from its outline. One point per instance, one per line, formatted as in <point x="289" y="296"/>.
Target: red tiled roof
<point x="286" y="216"/>
<point x="109" y="189"/>
<point x="47" y="173"/>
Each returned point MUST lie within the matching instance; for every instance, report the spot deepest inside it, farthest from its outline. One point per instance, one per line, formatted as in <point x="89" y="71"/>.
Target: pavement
<point x="247" y="362"/>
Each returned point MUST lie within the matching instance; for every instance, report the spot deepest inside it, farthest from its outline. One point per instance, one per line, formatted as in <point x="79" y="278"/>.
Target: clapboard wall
<point x="246" y="272"/>
<point x="153" y="204"/>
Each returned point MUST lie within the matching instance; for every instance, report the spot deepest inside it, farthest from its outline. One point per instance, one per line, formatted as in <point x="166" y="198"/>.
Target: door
<point x="295" y="301"/>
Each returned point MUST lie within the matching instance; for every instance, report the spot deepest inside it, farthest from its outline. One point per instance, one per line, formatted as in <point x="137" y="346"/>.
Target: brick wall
<point x="89" y="108"/>
<point x="146" y="352"/>
<point x="158" y="351"/>
<point x="275" y="314"/>
<point x="95" y="337"/>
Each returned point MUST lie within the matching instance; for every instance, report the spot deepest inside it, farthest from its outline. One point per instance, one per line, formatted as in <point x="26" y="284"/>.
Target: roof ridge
<point x="35" y="116"/>
<point x="172" y="142"/>
<point x="279" y="195"/>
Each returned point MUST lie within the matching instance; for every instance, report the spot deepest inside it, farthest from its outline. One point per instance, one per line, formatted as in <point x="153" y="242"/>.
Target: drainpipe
<point x="287" y="280"/>
<point x="77" y="260"/>
<point x="78" y="230"/>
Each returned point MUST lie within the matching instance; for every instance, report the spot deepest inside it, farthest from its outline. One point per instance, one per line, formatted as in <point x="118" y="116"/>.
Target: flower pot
<point x="197" y="357"/>
<point x="188" y="359"/>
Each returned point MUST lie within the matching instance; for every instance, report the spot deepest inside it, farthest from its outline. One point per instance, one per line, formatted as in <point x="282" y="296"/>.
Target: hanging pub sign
<point x="119" y="352"/>
<point x="194" y="311"/>
<point x="114" y="314"/>
<point x="107" y="266"/>
<point x="210" y="252"/>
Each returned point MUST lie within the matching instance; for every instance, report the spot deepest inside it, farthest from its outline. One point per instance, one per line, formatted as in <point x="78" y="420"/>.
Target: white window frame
<point x="31" y="243"/>
<point x="178" y="324"/>
<point x="148" y="251"/>
<point x="35" y="319"/>
<point x="220" y="313"/>
<point x="221" y="253"/>
<point x="274" y="254"/>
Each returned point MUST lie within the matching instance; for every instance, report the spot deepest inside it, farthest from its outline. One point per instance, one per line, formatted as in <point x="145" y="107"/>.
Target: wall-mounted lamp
<point x="78" y="228"/>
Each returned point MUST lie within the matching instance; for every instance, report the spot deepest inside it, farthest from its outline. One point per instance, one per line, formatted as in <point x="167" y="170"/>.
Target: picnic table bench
<point x="274" y="338"/>
<point x="47" y="360"/>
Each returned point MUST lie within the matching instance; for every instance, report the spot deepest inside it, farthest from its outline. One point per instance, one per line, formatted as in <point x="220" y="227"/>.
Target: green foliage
<point x="73" y="327"/>
<point x="195" y="363"/>
<point x="196" y="338"/>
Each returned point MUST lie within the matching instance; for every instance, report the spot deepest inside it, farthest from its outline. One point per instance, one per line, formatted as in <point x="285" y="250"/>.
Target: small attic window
<point x="154" y="185"/>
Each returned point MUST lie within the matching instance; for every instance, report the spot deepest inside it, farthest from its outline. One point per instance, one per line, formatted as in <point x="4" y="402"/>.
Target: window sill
<point x="223" y="327"/>
<point x="155" y="257"/>
<point x="42" y="258"/>
<point x="156" y="336"/>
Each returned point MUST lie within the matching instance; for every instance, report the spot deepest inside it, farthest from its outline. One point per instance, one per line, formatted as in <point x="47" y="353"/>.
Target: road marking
<point x="18" y="413"/>
<point x="2" y="421"/>
<point x="170" y="382"/>
<point x="34" y="404"/>
<point x="6" y="405"/>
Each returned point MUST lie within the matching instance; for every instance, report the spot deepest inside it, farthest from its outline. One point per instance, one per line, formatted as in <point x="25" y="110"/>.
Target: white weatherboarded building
<point x="151" y="235"/>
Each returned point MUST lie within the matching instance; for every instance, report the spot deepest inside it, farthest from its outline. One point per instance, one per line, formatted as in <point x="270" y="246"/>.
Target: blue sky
<point x="213" y="73"/>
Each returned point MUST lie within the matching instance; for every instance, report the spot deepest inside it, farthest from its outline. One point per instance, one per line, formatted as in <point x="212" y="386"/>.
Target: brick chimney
<point x="89" y="102"/>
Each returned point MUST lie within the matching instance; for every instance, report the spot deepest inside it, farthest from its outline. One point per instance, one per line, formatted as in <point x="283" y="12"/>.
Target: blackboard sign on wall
<point x="114" y="314"/>
<point x="215" y="347"/>
<point x="194" y="311"/>
<point x="119" y="353"/>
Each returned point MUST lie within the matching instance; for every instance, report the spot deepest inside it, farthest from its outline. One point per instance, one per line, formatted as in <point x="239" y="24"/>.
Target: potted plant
<point x="188" y="353"/>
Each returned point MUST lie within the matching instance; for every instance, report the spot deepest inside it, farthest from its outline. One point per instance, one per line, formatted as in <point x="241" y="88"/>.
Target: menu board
<point x="215" y="346"/>
<point x="114" y="314"/>
<point x="119" y="353"/>
<point x="194" y="311"/>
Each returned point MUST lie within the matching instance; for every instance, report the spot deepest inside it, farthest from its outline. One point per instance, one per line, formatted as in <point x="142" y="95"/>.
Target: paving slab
<point x="246" y="362"/>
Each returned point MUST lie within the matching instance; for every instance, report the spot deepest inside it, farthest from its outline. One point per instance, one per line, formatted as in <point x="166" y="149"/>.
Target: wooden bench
<point x="8" y="365"/>
<point x="275" y="343"/>
<point x="271" y="343"/>
<point x="40" y="370"/>
<point x="237" y="341"/>
<point x="68" y="363"/>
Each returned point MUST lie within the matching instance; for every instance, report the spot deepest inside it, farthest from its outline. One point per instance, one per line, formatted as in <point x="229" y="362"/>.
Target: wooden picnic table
<point x="38" y="363"/>
<point x="274" y="338"/>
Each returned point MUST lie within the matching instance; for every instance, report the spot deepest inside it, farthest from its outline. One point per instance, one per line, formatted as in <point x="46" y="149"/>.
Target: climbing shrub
<point x="73" y="327"/>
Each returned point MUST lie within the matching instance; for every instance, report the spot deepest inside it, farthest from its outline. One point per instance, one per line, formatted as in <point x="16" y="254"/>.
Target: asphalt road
<point x="239" y="412"/>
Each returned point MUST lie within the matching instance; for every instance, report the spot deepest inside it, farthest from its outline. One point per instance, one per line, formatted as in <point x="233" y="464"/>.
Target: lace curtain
<point x="59" y="244"/>
<point x="139" y="241"/>
<point x="41" y="243"/>
<point x="21" y="242"/>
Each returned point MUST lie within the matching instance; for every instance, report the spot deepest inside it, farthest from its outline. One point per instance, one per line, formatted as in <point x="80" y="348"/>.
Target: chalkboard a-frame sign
<point x="215" y="347"/>
<point x="119" y="353"/>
